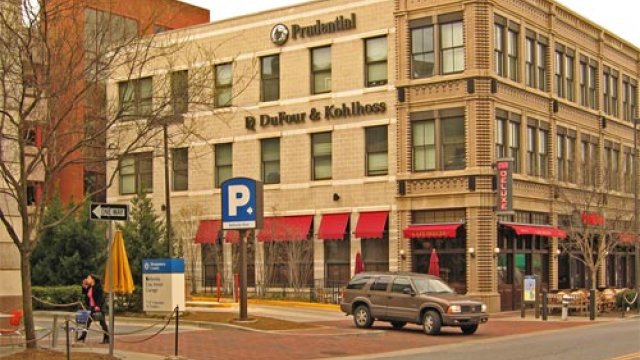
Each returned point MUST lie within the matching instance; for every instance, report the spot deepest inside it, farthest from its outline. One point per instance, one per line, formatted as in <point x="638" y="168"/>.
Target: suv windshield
<point x="426" y="285"/>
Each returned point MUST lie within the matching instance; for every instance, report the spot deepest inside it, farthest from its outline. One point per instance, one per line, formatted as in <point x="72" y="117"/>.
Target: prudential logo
<point x="280" y="34"/>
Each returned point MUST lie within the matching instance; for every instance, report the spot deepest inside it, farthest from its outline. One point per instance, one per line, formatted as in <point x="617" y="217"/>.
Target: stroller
<point x="82" y="318"/>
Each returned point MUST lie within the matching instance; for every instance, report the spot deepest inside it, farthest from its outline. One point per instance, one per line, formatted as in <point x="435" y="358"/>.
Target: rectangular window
<point x="453" y="143"/>
<point x="376" y="55"/>
<point x="585" y="162"/>
<point x="541" y="67"/>
<point x="321" y="70"/>
<point x="498" y="47"/>
<point x="507" y="137"/>
<point x="270" y="150"/>
<point x="452" y="47"/>
<point x="614" y="174"/>
<point x="530" y="60"/>
<point x="626" y="97"/>
<point x="543" y="155"/>
<point x="438" y="140"/>
<point x="531" y="150"/>
<point x="321" y="156"/>
<point x="180" y="92"/>
<point x="559" y="74"/>
<point x="606" y="92"/>
<point x="422" y="52"/>
<point x="135" y="97"/>
<point x="634" y="98"/>
<point x="223" y="85"/>
<point x="583" y="81"/>
<point x="628" y="170"/>
<point x="224" y="162"/>
<point x="560" y="157"/>
<point x="614" y="94"/>
<point x="376" y="151"/>
<point x="570" y="76"/>
<point x="136" y="174"/>
<point x="270" y="78"/>
<point x="424" y="145"/>
<point x="512" y="53"/>
<point x="595" y="153"/>
<point x="593" y="70"/>
<point x="606" y="167"/>
<point x="571" y="158"/>
<point x="180" y="169"/>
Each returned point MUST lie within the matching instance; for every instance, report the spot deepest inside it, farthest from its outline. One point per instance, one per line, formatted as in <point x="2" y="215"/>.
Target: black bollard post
<point x="177" y="322"/>
<point x="592" y="304"/>
<point x="545" y="303"/>
<point x="66" y="329"/>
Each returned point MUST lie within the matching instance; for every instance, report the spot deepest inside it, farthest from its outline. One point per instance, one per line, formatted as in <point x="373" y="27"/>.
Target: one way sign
<point x="119" y="212"/>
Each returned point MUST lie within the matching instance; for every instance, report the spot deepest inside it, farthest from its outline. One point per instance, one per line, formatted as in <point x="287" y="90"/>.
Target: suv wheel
<point x="431" y="323"/>
<point x="362" y="317"/>
<point x="469" y="329"/>
<point x="398" y="324"/>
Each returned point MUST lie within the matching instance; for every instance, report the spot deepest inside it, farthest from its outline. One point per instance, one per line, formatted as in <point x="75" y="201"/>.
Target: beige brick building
<point x="376" y="125"/>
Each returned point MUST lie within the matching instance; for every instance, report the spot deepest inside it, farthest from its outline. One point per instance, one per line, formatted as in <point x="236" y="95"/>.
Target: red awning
<point x="627" y="238"/>
<point x="207" y="232"/>
<point x="431" y="231"/>
<point x="333" y="226"/>
<point x="541" y="230"/>
<point x="232" y="236"/>
<point x="371" y="224"/>
<point x="285" y="228"/>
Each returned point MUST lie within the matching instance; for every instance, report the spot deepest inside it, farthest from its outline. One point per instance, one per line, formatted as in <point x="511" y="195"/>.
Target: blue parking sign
<point x="241" y="204"/>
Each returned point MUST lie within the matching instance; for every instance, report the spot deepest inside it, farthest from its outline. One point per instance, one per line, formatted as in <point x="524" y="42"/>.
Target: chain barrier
<point x="134" y="332"/>
<point x="148" y="337"/>
<point x="59" y="305"/>
<point x="24" y="342"/>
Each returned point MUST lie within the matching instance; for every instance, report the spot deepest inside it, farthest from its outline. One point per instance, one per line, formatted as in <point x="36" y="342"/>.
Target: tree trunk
<point x="27" y="306"/>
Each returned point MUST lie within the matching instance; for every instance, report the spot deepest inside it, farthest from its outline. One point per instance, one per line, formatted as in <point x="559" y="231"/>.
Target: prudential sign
<point x="241" y="204"/>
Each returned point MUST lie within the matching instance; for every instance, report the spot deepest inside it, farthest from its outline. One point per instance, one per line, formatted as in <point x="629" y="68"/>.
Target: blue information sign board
<point x="241" y="204"/>
<point x="162" y="266"/>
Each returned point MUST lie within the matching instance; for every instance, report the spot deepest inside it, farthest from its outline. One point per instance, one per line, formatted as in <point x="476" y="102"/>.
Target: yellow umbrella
<point x="122" y="279"/>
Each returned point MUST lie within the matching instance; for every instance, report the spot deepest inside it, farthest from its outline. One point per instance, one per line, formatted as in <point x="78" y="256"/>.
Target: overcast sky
<point x="617" y="16"/>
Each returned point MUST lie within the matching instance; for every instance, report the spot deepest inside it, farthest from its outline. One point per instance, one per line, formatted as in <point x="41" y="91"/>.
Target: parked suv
<point x="409" y="297"/>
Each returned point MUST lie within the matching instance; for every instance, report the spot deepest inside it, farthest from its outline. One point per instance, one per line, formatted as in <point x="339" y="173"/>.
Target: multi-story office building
<point x="376" y="125"/>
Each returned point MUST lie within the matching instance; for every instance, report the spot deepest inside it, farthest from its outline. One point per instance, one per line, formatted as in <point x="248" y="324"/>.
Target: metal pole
<point x="111" y="281"/>
<point x="243" y="275"/>
<point x="176" y="332"/>
<point x="66" y="329"/>
<point x="636" y="229"/>
<point x="167" y="187"/>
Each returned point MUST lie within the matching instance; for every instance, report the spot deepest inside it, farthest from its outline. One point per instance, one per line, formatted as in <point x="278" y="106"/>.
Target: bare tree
<point x="56" y="112"/>
<point x="595" y="219"/>
<point x="186" y="228"/>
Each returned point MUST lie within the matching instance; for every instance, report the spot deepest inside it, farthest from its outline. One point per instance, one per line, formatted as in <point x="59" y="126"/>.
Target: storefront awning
<point x="371" y="224"/>
<point x="627" y="238"/>
<point x="431" y="231"/>
<point x="592" y="218"/>
<point x="285" y="228"/>
<point x="333" y="226"/>
<point x="232" y="236"/>
<point x="541" y="230"/>
<point x="208" y="231"/>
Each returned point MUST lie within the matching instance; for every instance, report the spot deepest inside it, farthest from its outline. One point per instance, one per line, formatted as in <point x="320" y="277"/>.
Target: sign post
<point x="162" y="285"/>
<point x="242" y="210"/>
<point x="109" y="212"/>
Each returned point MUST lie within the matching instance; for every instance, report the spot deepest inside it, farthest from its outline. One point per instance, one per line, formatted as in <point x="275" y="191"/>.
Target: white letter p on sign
<point x="238" y="197"/>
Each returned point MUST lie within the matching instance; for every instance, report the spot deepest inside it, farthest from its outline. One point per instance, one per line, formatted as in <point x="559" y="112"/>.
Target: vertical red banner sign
<point x="504" y="202"/>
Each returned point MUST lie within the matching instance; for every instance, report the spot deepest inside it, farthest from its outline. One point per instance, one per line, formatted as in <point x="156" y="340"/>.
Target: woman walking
<point x="94" y="298"/>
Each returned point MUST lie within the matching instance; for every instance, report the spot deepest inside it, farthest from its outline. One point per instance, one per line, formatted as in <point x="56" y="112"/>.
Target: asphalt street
<point x="618" y="340"/>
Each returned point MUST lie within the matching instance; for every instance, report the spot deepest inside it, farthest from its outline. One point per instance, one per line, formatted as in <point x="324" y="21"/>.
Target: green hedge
<point x="57" y="295"/>
<point x="73" y="293"/>
<point x="629" y="294"/>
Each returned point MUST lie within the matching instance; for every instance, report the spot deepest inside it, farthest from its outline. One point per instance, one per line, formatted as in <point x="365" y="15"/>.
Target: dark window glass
<point x="180" y="169"/>
<point x="422" y="52"/>
<point x="223" y="85"/>
<point x="270" y="78"/>
<point x="376" y="151"/>
<point x="270" y="160"/>
<point x="452" y="47"/>
<point x="180" y="91"/>
<point x="224" y="163"/>
<point x="135" y="97"/>
<point x="380" y="283"/>
<point x="399" y="284"/>
<point x="321" y="70"/>
<point x="136" y="174"/>
<point x="321" y="156"/>
<point x="376" y="54"/>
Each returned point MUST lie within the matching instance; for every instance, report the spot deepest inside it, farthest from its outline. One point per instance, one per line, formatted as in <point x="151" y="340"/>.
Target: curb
<point x="205" y="302"/>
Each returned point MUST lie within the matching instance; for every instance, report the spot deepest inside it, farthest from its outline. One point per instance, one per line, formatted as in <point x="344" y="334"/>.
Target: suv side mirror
<point x="408" y="291"/>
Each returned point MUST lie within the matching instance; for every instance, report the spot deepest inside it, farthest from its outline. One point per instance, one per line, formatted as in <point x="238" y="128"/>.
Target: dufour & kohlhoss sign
<point x="329" y="112"/>
<point x="504" y="168"/>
